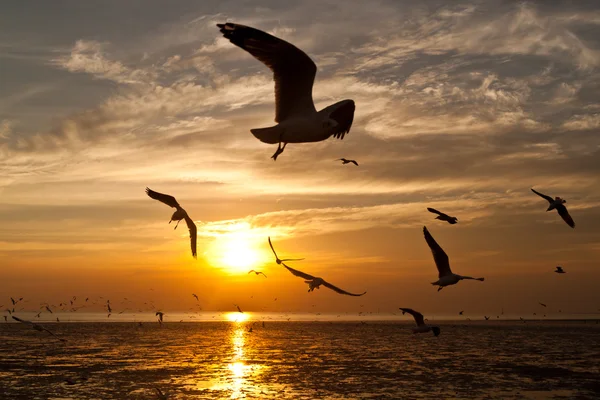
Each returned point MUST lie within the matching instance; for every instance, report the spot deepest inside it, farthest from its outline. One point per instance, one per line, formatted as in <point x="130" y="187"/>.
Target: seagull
<point x="543" y="305"/>
<point x="159" y="394"/>
<point x="238" y="308"/>
<point x="37" y="327"/>
<point x="195" y="295"/>
<point x="49" y="310"/>
<point x="422" y="327"/>
<point x="443" y="217"/>
<point x="178" y="215"/>
<point x="5" y="318"/>
<point x="160" y="316"/>
<point x="558" y="204"/>
<point x="345" y="161"/>
<point x="460" y="312"/>
<point x="294" y="73"/>
<point x="258" y="272"/>
<point x="445" y="275"/>
<point x="315" y="282"/>
<point x="486" y="317"/>
<point x="279" y="261"/>
<point x="559" y="270"/>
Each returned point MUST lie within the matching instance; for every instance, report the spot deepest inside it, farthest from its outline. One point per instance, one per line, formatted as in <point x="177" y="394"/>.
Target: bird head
<point x="436" y="330"/>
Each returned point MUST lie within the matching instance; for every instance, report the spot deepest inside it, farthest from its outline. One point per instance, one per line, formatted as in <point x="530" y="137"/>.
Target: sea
<point x="326" y="358"/>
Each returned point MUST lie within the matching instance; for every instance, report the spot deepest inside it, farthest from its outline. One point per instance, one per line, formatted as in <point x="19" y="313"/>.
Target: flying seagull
<point x="486" y="317"/>
<point x="277" y="259"/>
<point x="258" y="272"/>
<point x="445" y="275"/>
<point x="422" y="327"/>
<point x="315" y="282"/>
<point x="160" y="316"/>
<point x="558" y="204"/>
<point x="178" y="215"/>
<point x="560" y="270"/>
<point x="294" y="73"/>
<point x="543" y="305"/>
<point x="37" y="327"/>
<point x="195" y="296"/>
<point x="345" y="161"/>
<point x="238" y="308"/>
<point x="443" y="217"/>
<point x="460" y="312"/>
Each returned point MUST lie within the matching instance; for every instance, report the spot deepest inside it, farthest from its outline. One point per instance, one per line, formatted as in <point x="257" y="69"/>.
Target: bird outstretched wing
<point x="341" y="291"/>
<point x="439" y="255"/>
<point x="293" y="71"/>
<point x="433" y="210"/>
<point x="163" y="198"/>
<point x="343" y="115"/>
<point x="562" y="211"/>
<point x="548" y="198"/>
<point x="416" y="315"/>
<point x="299" y="273"/>
<point x="193" y="233"/>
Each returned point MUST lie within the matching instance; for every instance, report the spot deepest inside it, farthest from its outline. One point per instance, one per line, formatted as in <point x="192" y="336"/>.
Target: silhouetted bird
<point x="558" y="204"/>
<point x="294" y="73"/>
<point x="195" y="296"/>
<point x="443" y="217"/>
<point x="238" y="308"/>
<point x="277" y="259"/>
<point x="422" y="327"/>
<point x="445" y="275"/>
<point x="178" y="215"/>
<point x="560" y="270"/>
<point x="314" y="282"/>
<point x="257" y="272"/>
<point x="37" y="327"/>
<point x="543" y="305"/>
<point x="345" y="161"/>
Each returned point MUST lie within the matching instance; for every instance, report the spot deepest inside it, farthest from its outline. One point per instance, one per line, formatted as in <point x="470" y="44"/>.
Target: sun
<point x="238" y="249"/>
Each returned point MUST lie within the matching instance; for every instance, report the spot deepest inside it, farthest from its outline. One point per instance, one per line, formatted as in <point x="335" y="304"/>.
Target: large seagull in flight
<point x="178" y="215"/>
<point x="294" y="74"/>
<point x="314" y="282"/>
<point x="442" y="262"/>
<point x="557" y="204"/>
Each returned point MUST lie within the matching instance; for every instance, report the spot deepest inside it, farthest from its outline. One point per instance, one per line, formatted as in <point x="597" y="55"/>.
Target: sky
<point x="461" y="106"/>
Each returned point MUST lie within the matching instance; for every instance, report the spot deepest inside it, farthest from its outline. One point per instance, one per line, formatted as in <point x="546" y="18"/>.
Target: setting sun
<point x="238" y="248"/>
<point x="237" y="317"/>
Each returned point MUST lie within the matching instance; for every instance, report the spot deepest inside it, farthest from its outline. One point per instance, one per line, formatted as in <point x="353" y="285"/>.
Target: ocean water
<point x="301" y="360"/>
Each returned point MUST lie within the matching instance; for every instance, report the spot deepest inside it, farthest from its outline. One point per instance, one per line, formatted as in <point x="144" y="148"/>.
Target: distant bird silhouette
<point x="486" y="317"/>
<point x="195" y="296"/>
<point x="294" y="74"/>
<point x="160" y="315"/>
<point x="543" y="305"/>
<point x="345" y="161"/>
<point x="461" y="313"/>
<point x="160" y="395"/>
<point x="238" y="308"/>
<point x="315" y="282"/>
<point x="277" y="259"/>
<point x="560" y="270"/>
<point x="445" y="275"/>
<point x="178" y="215"/>
<point x="257" y="272"/>
<point x="558" y="204"/>
<point x="5" y="318"/>
<point x="422" y="327"/>
<point x="443" y="217"/>
<point x="37" y="327"/>
<point x="49" y="310"/>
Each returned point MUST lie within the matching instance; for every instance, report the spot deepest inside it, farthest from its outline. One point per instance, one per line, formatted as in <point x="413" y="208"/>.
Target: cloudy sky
<point x="459" y="106"/>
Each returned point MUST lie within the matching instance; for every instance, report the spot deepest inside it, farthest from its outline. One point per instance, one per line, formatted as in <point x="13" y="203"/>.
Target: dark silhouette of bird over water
<point x="557" y="204"/>
<point x="442" y="262"/>
<point x="422" y="327"/>
<point x="443" y="217"/>
<point x="560" y="270"/>
<point x="315" y="282"/>
<point x="345" y="161"/>
<point x="178" y="215"/>
<point x="294" y="74"/>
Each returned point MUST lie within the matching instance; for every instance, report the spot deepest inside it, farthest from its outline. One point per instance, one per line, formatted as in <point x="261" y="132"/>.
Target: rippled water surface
<point x="300" y="360"/>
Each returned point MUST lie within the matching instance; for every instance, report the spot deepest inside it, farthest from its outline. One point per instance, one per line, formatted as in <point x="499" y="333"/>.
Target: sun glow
<point x="238" y="248"/>
<point x="237" y="317"/>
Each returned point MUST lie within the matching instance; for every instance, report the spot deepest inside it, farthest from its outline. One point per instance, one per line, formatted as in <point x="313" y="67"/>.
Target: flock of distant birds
<point x="298" y="121"/>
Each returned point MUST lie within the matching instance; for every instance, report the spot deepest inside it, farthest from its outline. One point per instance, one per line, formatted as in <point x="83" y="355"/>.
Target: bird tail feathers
<point x="271" y="135"/>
